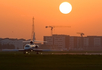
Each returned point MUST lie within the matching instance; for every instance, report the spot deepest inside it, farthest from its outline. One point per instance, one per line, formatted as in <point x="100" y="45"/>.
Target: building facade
<point x="74" y="42"/>
<point x="56" y="41"/>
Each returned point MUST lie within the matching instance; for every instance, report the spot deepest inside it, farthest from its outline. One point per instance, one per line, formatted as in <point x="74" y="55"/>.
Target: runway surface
<point x="73" y="53"/>
<point x="56" y="52"/>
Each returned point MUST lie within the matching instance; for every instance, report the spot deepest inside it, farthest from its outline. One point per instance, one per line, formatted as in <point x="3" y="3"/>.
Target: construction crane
<point x="81" y="34"/>
<point x="54" y="27"/>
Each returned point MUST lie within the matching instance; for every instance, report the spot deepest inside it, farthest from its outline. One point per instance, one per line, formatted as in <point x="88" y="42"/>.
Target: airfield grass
<point x="19" y="61"/>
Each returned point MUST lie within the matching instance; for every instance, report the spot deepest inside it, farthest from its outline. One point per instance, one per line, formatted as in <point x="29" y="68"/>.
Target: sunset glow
<point x="16" y="18"/>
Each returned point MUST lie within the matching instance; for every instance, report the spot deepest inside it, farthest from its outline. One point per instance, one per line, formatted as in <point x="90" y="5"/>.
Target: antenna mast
<point x="33" y="32"/>
<point x="33" y="26"/>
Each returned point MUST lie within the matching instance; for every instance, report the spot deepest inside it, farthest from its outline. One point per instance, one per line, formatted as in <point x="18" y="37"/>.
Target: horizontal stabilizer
<point x="27" y="41"/>
<point x="40" y="41"/>
<point x="35" y="41"/>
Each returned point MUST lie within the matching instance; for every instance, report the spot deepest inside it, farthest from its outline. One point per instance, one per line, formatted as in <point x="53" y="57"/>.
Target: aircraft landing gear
<point x="25" y="52"/>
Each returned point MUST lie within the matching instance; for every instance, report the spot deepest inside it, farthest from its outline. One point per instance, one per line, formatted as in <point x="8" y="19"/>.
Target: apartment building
<point x="74" y="42"/>
<point x="56" y="41"/>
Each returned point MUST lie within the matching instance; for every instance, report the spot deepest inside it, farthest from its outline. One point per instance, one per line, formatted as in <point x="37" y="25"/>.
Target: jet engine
<point x="36" y="46"/>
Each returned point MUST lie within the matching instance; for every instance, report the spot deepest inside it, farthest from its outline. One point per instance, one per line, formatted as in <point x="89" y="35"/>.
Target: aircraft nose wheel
<point x="25" y="52"/>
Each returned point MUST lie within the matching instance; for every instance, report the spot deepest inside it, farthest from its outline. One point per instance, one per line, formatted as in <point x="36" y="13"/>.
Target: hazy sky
<point x="16" y="18"/>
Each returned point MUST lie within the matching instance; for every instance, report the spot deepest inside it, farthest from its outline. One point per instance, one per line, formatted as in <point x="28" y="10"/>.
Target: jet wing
<point x="35" y="41"/>
<point x="36" y="50"/>
<point x="21" y="49"/>
<point x="10" y="50"/>
<point x="41" y="50"/>
<point x="13" y="49"/>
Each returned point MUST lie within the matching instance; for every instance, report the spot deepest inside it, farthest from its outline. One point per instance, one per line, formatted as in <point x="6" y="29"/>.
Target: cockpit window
<point x="27" y="46"/>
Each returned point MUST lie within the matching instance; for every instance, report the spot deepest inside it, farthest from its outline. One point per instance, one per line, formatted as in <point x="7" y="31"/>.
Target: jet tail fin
<point x="33" y="36"/>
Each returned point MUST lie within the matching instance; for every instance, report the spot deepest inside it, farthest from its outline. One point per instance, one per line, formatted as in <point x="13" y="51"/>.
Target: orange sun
<point x="65" y="7"/>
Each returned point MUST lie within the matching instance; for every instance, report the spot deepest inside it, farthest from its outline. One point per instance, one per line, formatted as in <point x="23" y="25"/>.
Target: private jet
<point x="32" y="46"/>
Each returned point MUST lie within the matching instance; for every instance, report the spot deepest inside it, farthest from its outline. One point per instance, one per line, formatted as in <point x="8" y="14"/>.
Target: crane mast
<point x="51" y="28"/>
<point x="81" y="34"/>
<point x="81" y="39"/>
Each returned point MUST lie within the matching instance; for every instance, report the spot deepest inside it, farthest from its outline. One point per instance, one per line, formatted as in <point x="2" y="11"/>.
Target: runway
<point x="57" y="52"/>
<point x="72" y="53"/>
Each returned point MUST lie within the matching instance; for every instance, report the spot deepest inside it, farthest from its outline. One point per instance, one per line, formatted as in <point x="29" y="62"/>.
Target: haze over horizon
<point x="16" y="18"/>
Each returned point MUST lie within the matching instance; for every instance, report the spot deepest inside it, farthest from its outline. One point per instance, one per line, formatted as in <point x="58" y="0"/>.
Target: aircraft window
<point x="27" y="46"/>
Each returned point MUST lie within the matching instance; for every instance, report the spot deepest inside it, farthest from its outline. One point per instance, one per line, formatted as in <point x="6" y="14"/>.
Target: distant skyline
<point x="16" y="18"/>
